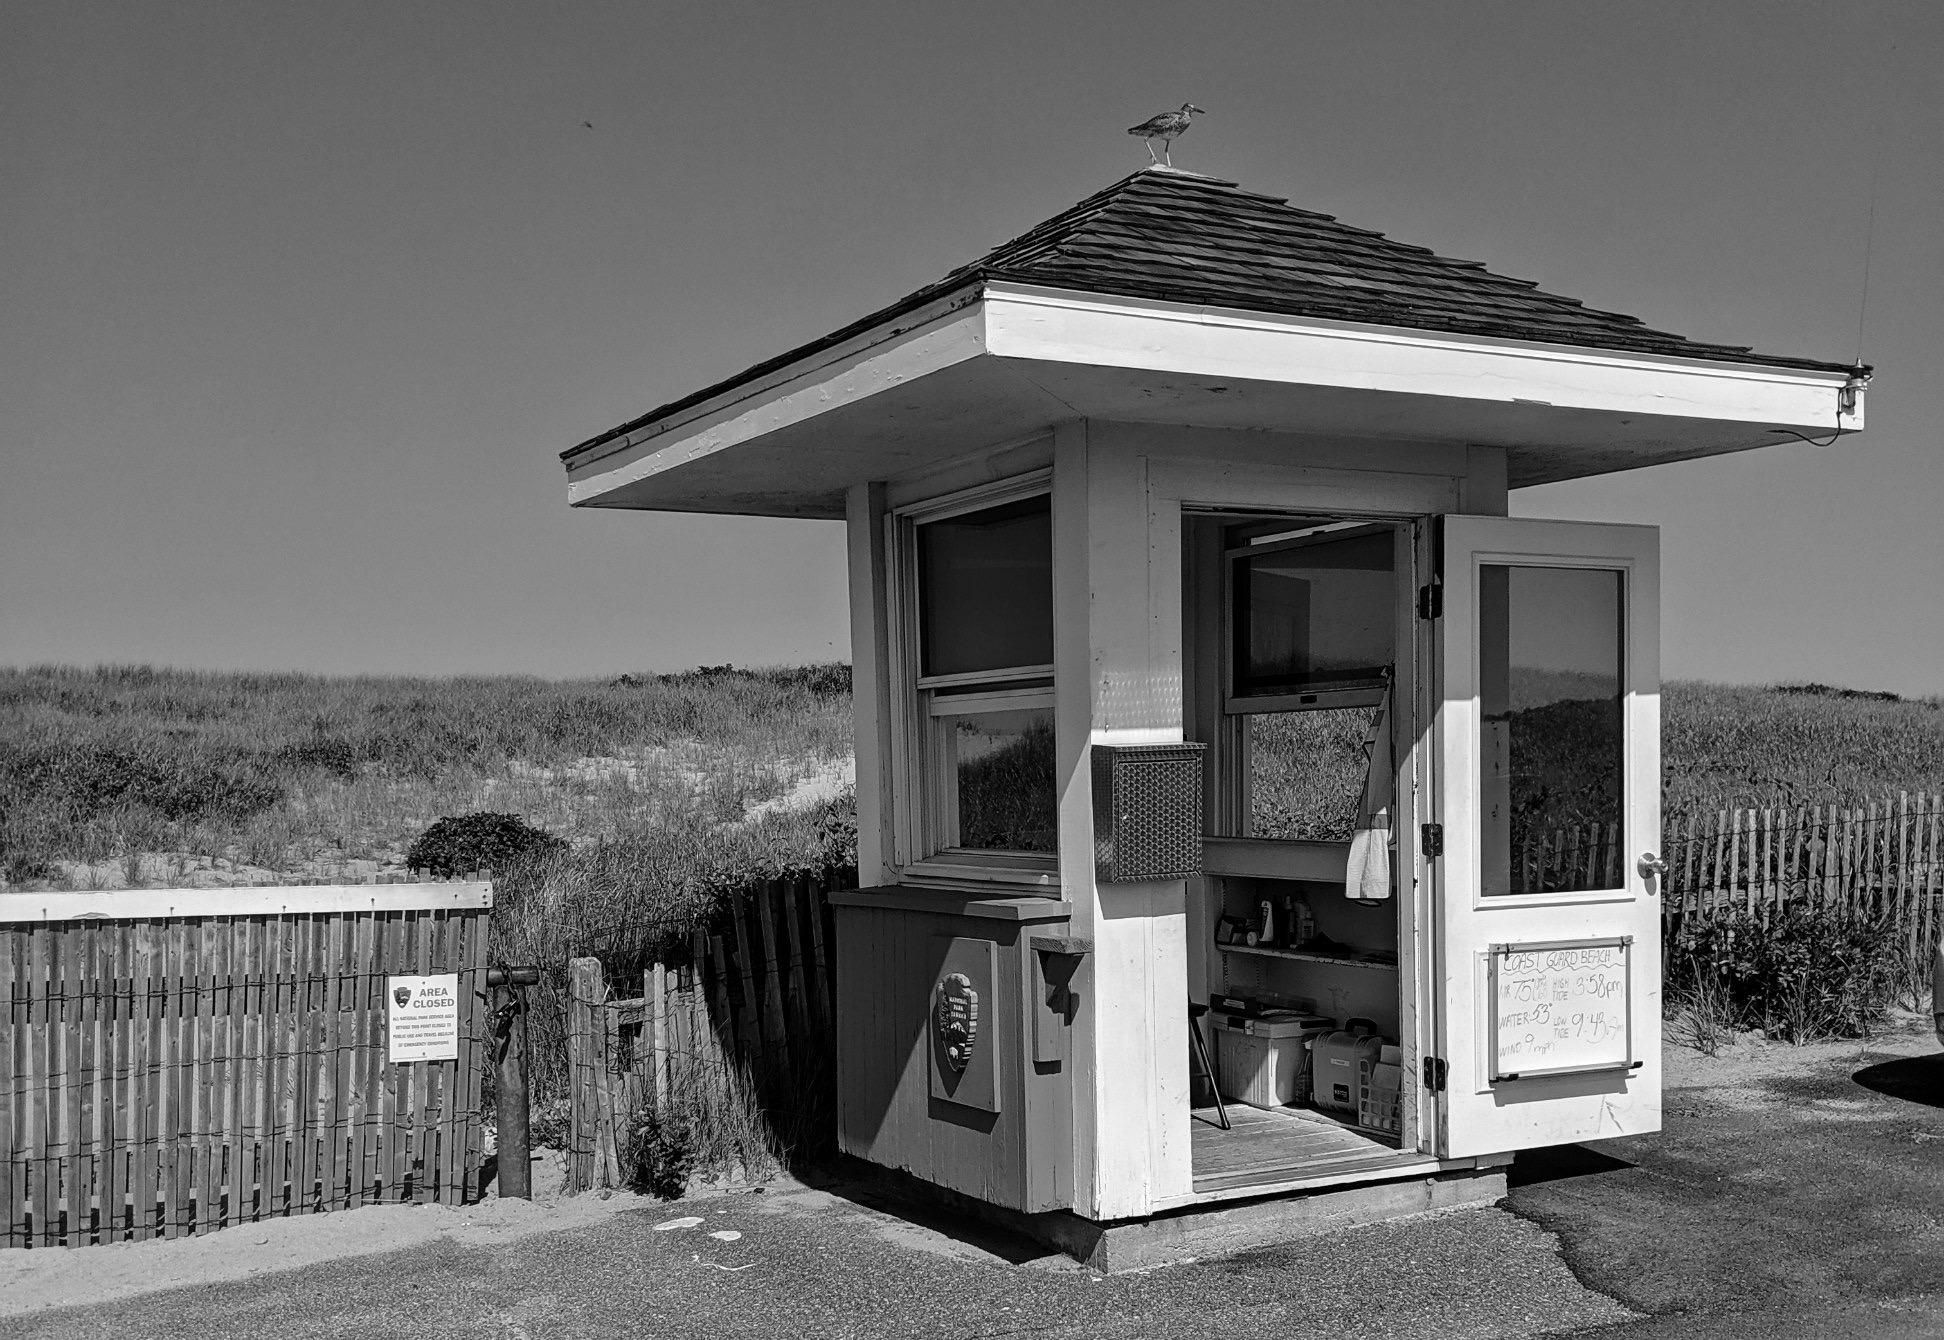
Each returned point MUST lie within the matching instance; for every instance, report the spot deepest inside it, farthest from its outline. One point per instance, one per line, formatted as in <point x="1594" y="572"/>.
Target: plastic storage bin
<point x="1263" y="1062"/>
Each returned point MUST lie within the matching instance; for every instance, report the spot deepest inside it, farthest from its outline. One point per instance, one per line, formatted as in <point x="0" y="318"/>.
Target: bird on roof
<point x="1165" y="127"/>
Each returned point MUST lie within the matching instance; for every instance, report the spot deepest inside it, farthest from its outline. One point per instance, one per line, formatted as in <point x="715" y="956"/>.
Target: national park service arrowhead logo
<point x="403" y="995"/>
<point x="956" y="1019"/>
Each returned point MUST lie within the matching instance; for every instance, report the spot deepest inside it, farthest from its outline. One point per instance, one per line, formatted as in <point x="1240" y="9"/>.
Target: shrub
<point x="837" y="832"/>
<point x="1799" y="973"/>
<point x="484" y="841"/>
<point x="660" y="1153"/>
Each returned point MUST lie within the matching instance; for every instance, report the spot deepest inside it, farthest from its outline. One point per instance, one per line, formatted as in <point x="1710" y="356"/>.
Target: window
<point x="1313" y="613"/>
<point x="1304" y="772"/>
<point x="1312" y="619"/>
<point x="980" y="785"/>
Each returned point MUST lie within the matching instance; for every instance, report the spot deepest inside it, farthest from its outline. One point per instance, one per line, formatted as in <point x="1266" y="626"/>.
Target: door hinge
<point x="1431" y="841"/>
<point x="1434" y="1073"/>
<point x="1431" y="601"/>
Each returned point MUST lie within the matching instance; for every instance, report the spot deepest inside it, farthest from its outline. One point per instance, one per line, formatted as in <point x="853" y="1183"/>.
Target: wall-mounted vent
<point x="1147" y="811"/>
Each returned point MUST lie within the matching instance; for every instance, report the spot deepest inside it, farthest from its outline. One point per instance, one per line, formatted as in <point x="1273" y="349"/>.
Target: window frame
<point x="924" y="792"/>
<point x="1232" y="811"/>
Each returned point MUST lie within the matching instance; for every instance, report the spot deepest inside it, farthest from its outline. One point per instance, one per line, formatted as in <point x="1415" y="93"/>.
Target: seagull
<point x="1165" y="128"/>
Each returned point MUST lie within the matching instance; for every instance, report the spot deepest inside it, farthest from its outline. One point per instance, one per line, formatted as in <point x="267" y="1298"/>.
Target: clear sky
<point x="302" y="301"/>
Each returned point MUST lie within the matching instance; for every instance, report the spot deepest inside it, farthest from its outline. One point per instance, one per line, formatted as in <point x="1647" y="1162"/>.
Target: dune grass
<point x="313" y="775"/>
<point x="1725" y="746"/>
<point x="131" y="774"/>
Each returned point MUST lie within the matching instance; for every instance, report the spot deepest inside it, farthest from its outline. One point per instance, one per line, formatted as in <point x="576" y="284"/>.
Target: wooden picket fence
<point x="745" y="1023"/>
<point x="176" y="1061"/>
<point x="1884" y="860"/>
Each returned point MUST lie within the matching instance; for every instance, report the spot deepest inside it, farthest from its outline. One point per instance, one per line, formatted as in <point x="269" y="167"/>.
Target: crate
<point x="1379" y="1097"/>
<point x="1261" y="1063"/>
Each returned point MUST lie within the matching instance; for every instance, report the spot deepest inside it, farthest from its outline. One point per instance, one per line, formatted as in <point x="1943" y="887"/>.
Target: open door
<point x="1547" y="964"/>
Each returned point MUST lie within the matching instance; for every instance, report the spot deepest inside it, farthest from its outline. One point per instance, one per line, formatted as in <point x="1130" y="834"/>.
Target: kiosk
<point x="1252" y="816"/>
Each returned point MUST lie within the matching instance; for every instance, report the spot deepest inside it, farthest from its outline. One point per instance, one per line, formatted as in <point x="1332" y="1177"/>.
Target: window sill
<point x="1017" y="876"/>
<point x="961" y="903"/>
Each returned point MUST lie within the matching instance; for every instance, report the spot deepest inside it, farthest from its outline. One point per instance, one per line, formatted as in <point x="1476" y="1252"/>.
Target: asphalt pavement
<point x="1797" y="1193"/>
<point x="810" y="1263"/>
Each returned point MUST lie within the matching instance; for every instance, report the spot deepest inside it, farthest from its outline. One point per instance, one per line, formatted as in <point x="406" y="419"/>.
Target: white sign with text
<point x="1561" y="1008"/>
<point x="424" y="1023"/>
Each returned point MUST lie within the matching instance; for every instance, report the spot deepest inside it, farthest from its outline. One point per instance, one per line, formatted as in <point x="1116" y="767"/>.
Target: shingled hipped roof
<point x="1176" y="237"/>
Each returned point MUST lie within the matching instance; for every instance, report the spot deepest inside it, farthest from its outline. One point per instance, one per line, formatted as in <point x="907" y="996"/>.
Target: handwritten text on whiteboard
<point x="1560" y="1007"/>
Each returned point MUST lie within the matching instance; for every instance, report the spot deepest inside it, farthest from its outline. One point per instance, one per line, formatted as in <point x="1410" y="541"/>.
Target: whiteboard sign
<point x="1562" y="1008"/>
<point x="424" y="1019"/>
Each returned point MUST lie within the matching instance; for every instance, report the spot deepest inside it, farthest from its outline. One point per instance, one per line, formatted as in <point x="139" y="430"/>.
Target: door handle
<point x="1651" y="867"/>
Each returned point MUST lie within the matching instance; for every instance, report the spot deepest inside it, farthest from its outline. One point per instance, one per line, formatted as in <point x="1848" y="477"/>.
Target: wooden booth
<point x="1219" y="736"/>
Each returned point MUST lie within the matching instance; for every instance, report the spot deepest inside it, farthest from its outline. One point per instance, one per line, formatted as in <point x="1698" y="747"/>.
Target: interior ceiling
<point x="802" y="469"/>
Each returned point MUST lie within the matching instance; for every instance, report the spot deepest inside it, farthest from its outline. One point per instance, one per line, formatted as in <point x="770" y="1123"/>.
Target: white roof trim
<point x="1242" y="318"/>
<point x="1037" y="331"/>
<point x="844" y="351"/>
<point x="1059" y="326"/>
<point x="847" y="373"/>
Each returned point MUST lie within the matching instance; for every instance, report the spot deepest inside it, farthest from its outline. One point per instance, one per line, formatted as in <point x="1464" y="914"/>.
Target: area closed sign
<point x="424" y="1023"/>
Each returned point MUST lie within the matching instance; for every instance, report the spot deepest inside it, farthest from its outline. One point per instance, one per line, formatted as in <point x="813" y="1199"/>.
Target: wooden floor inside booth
<point x="1286" y="1149"/>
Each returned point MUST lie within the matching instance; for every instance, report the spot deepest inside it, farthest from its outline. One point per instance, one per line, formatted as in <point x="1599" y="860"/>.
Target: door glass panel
<point x="1551" y="752"/>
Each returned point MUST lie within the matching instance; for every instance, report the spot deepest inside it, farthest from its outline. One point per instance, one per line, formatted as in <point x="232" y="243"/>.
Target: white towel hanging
<point x="1368" y="876"/>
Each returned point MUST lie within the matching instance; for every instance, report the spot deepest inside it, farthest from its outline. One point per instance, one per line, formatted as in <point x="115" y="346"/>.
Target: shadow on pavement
<point x="1915" y="1079"/>
<point x="1535" y="1166"/>
<point x="900" y="1202"/>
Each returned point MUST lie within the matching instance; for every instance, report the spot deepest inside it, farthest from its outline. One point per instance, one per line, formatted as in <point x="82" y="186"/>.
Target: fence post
<point x="737" y="1040"/>
<point x="1872" y="862"/>
<point x="510" y="1094"/>
<point x="752" y="1030"/>
<point x="1688" y="866"/>
<point x="702" y="1003"/>
<point x="1797" y="827"/>
<point x="1717" y="895"/>
<point x="819" y="960"/>
<point x="765" y="896"/>
<point x="657" y="1003"/>
<point x="1933" y="868"/>
<point x="583" y="1028"/>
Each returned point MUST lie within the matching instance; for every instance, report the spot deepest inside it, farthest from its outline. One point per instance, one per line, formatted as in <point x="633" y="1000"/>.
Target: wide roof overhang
<point x="997" y="362"/>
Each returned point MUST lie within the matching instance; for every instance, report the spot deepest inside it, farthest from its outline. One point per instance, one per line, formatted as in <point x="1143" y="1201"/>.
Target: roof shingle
<point x="1176" y="237"/>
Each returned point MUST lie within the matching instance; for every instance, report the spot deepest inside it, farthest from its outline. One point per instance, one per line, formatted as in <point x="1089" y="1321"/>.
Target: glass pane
<point x="1002" y="764"/>
<point x="1318" y="614"/>
<point x="1551" y="752"/>
<point x="1306" y="772"/>
<point x="985" y="589"/>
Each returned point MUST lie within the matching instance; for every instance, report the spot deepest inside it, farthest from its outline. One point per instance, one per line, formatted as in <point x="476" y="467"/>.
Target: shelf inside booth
<point x="1346" y="956"/>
